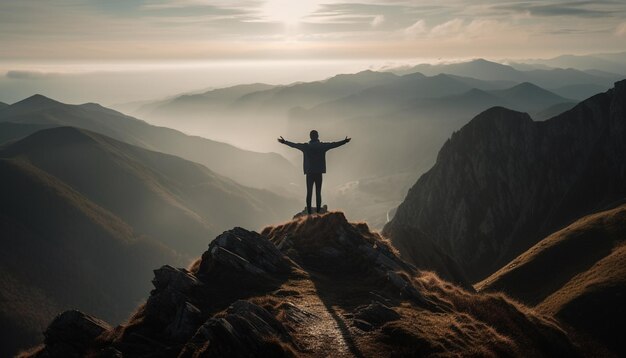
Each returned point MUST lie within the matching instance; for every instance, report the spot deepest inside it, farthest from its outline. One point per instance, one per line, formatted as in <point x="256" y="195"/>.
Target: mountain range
<point x="506" y="182"/>
<point x="261" y="170"/>
<point x="593" y="63"/>
<point x="379" y="110"/>
<point x="492" y="71"/>
<point x="114" y="212"/>
<point x="178" y="202"/>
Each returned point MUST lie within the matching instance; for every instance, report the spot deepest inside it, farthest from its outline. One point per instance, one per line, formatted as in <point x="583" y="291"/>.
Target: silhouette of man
<point x="314" y="164"/>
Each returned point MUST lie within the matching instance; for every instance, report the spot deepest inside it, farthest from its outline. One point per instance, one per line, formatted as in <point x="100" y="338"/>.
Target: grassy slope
<point x="577" y="274"/>
<point x="178" y="202"/>
<point x="63" y="252"/>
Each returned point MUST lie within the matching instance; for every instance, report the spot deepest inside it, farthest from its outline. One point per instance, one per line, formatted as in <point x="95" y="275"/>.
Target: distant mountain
<point x="552" y="111"/>
<point x="418" y="111"/>
<point x="61" y="251"/>
<point x="503" y="182"/>
<point x="179" y="203"/>
<point x="268" y="98"/>
<point x="263" y="170"/>
<point x="308" y="94"/>
<point x="225" y="113"/>
<point x="580" y="91"/>
<point x="522" y="97"/>
<point x="577" y="274"/>
<point x="528" y="97"/>
<point x="493" y="71"/>
<point x="615" y="62"/>
<point x="318" y="286"/>
<point x="478" y="68"/>
<point x="13" y="131"/>
<point x="207" y="102"/>
<point x="386" y="98"/>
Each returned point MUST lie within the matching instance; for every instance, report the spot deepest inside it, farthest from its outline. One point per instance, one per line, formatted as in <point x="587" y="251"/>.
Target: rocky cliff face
<point x="314" y="286"/>
<point x="503" y="182"/>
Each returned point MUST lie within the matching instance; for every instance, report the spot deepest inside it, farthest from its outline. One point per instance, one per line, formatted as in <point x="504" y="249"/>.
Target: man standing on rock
<point x="314" y="164"/>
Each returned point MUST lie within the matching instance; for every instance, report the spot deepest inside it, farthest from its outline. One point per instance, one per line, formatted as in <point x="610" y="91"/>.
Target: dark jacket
<point x="315" y="154"/>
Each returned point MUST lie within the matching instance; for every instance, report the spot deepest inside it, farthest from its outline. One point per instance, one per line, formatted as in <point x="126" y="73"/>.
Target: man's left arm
<point x="332" y="145"/>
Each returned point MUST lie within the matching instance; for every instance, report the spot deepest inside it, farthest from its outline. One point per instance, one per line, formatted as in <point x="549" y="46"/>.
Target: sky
<point x="43" y="38"/>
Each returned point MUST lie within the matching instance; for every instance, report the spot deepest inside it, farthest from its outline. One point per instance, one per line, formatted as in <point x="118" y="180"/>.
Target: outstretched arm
<point x="332" y="145"/>
<point x="291" y="144"/>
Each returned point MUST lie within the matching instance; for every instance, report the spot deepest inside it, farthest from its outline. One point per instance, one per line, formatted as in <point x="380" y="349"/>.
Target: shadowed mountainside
<point x="577" y="274"/>
<point x="315" y="286"/>
<point x="263" y="170"/>
<point x="504" y="182"/>
<point x="174" y="201"/>
<point x="62" y="251"/>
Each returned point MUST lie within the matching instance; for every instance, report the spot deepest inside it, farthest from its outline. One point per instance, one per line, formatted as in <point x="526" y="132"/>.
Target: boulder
<point x="376" y="314"/>
<point x="71" y="333"/>
<point x="245" y="330"/>
<point x="246" y="251"/>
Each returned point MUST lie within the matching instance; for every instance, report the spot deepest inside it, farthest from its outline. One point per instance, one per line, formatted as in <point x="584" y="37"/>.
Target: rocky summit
<point x="315" y="286"/>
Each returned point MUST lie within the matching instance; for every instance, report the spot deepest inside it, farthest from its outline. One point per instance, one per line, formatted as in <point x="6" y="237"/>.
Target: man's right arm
<point x="291" y="144"/>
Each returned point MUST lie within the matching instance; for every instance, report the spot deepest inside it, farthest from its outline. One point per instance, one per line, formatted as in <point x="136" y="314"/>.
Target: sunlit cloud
<point x="378" y="20"/>
<point x="418" y="28"/>
<point x="221" y="29"/>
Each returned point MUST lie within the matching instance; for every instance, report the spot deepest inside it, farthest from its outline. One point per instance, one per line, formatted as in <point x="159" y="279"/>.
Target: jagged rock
<point x="185" y="322"/>
<point x="71" y="333"/>
<point x="376" y="314"/>
<point x="246" y="251"/>
<point x="244" y="331"/>
<point x="177" y="279"/>
<point x="169" y="303"/>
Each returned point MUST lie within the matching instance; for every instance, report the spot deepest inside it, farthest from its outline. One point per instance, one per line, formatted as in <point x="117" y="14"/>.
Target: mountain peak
<point x="319" y="286"/>
<point x="501" y="114"/>
<point x="37" y="101"/>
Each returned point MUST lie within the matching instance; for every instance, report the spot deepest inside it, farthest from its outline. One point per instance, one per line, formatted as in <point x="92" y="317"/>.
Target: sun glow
<point x="289" y="12"/>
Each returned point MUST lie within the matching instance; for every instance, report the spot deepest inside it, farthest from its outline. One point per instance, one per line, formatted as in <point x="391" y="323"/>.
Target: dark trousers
<point x="313" y="178"/>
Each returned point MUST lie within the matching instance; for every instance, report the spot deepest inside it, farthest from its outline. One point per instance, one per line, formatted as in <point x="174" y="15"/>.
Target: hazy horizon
<point x="122" y="51"/>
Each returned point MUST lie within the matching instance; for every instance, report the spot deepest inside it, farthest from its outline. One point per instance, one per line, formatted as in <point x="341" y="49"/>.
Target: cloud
<point x="30" y="75"/>
<point x="583" y="9"/>
<point x="378" y="20"/>
<point x="620" y="30"/>
<point x="418" y="28"/>
<point x="449" y="28"/>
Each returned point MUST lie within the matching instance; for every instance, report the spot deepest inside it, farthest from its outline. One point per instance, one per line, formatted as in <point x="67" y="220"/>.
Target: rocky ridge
<point x="504" y="182"/>
<point x="314" y="286"/>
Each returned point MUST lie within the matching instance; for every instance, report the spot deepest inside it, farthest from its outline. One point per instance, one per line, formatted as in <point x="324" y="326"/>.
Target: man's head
<point x="314" y="135"/>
